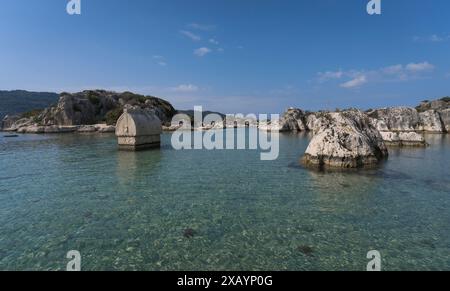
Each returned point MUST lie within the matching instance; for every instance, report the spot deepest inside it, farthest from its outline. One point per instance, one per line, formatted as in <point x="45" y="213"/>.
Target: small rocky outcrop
<point x="345" y="140"/>
<point x="403" y="139"/>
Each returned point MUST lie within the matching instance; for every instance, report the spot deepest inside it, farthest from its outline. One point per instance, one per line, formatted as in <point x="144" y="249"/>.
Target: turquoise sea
<point x="130" y="211"/>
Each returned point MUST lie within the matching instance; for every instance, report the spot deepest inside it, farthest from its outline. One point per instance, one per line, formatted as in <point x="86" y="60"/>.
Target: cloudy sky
<point x="233" y="56"/>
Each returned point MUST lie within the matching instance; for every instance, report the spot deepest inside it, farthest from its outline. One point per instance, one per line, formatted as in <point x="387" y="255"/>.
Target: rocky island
<point x="87" y="111"/>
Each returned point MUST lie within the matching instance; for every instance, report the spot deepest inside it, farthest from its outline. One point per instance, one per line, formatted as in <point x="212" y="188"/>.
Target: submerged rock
<point x="306" y="250"/>
<point x="345" y="140"/>
<point x="189" y="233"/>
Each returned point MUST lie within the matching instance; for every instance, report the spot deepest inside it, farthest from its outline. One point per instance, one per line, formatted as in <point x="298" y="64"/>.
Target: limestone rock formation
<point x="445" y="117"/>
<point x="398" y="118"/>
<point x="345" y="140"/>
<point x="430" y="121"/>
<point x="138" y="129"/>
<point x="292" y="120"/>
<point x="441" y="104"/>
<point x="403" y="138"/>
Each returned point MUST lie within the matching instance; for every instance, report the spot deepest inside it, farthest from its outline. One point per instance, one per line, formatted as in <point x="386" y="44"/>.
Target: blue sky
<point x="258" y="56"/>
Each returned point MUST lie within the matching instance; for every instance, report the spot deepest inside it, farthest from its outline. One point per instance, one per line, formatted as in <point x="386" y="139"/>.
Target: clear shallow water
<point x="128" y="211"/>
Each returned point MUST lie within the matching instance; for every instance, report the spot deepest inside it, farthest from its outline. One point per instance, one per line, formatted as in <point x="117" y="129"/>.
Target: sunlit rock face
<point x="430" y="121"/>
<point x="138" y="129"/>
<point x="397" y="118"/>
<point x="345" y="140"/>
<point x="403" y="139"/>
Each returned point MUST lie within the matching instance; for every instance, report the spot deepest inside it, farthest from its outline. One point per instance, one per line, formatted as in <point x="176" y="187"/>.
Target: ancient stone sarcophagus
<point x="138" y="129"/>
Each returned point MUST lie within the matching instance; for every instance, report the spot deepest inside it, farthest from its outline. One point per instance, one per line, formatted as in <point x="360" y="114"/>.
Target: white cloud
<point x="354" y="83"/>
<point x="201" y="27"/>
<point x="160" y="60"/>
<point x="185" y="88"/>
<point x="419" y="67"/>
<point x="330" y="75"/>
<point x="191" y="35"/>
<point x="358" y="78"/>
<point x="203" y="51"/>
<point x="431" y="38"/>
<point x="214" y="41"/>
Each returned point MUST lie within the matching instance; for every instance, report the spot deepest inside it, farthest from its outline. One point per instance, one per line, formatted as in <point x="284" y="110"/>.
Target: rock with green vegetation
<point x="89" y="108"/>
<point x="440" y="104"/>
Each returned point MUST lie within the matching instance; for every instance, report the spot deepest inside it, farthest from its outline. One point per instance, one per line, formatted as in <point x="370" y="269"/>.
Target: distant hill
<point x="20" y="101"/>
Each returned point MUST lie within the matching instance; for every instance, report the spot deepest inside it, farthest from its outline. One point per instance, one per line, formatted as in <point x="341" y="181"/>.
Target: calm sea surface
<point x="128" y="211"/>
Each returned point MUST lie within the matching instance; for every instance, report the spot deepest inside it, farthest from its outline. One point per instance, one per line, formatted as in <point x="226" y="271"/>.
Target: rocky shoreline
<point x="341" y="139"/>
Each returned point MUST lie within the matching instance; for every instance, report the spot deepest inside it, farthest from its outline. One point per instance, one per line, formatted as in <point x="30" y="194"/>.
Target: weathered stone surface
<point x="397" y="118"/>
<point x="440" y="104"/>
<point x="138" y="129"/>
<point x="312" y="122"/>
<point x="445" y="118"/>
<point x="403" y="139"/>
<point x="345" y="140"/>
<point x="292" y="120"/>
<point x="430" y="121"/>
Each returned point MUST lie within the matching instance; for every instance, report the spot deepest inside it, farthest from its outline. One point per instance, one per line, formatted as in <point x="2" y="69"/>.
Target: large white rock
<point x="345" y="140"/>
